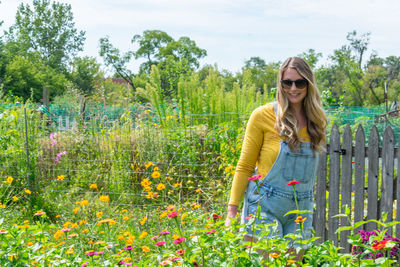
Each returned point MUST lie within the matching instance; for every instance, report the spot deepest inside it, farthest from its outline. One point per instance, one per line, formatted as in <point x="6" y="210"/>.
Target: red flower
<point x="255" y="177"/>
<point x="379" y="245"/>
<point x="215" y="216"/>
<point x="293" y="182"/>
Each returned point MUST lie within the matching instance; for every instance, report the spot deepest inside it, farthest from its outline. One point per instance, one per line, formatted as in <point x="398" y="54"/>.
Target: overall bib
<point x="276" y="198"/>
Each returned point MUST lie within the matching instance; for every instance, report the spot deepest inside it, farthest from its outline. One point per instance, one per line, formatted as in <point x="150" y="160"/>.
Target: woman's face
<point x="294" y="94"/>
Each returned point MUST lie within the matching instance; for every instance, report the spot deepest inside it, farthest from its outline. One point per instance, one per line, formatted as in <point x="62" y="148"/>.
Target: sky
<point x="233" y="31"/>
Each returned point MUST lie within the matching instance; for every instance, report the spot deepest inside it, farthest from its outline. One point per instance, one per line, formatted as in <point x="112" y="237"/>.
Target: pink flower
<point x="249" y="217"/>
<point x="65" y="230"/>
<point x="154" y="237"/>
<point x="129" y="247"/>
<point x="58" y="157"/>
<point x="163" y="263"/>
<point x="255" y="177"/>
<point x="213" y="231"/>
<point x="175" y="258"/>
<point x="99" y="253"/>
<point x="178" y="240"/>
<point x="53" y="139"/>
<point x="163" y="233"/>
<point x="293" y="182"/>
<point x="89" y="253"/>
<point x="173" y="214"/>
<point x="161" y="243"/>
<point x="215" y="216"/>
<point x="85" y="264"/>
<point x="180" y="251"/>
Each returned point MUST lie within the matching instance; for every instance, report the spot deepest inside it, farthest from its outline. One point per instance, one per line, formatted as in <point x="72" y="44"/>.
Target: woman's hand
<point x="232" y="213"/>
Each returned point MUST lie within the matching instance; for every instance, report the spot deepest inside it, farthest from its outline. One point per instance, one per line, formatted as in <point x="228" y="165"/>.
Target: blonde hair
<point x="286" y="122"/>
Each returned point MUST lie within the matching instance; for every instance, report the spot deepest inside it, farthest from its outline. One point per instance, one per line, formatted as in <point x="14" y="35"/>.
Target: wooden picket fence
<point x="360" y="176"/>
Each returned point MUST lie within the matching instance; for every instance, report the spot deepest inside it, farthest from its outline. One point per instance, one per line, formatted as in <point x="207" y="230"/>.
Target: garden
<point x="148" y="190"/>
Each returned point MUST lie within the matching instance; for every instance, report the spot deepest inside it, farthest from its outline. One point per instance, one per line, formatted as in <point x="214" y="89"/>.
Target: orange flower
<point x="104" y="198"/>
<point x="275" y="255"/>
<point x="379" y="245"/>
<point x="300" y="219"/>
<point x="156" y="174"/>
<point x="145" y="249"/>
<point x="143" y="221"/>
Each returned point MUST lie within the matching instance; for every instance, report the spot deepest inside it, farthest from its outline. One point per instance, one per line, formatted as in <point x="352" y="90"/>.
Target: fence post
<point x="359" y="176"/>
<point x="387" y="175"/>
<point x="320" y="199"/>
<point x="31" y="181"/>
<point x="334" y="184"/>
<point x="373" y="170"/>
<point x="398" y="190"/>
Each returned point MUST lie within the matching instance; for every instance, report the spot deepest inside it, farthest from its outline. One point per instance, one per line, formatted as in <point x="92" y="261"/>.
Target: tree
<point x="47" y="28"/>
<point x="358" y="44"/>
<point x="113" y="57"/>
<point x="149" y="47"/>
<point x="85" y="74"/>
<point x="262" y="74"/>
<point x="311" y="57"/>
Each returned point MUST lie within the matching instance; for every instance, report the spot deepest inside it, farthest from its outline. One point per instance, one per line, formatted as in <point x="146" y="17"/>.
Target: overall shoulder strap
<point x="275" y="105"/>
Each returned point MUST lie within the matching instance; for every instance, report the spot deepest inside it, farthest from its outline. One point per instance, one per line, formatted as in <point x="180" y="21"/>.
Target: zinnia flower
<point x="173" y="214"/>
<point x="161" y="243"/>
<point x="293" y="182"/>
<point x="255" y="177"/>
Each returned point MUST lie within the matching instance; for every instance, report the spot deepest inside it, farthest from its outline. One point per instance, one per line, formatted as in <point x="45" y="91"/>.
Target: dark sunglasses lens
<point x="286" y="83"/>
<point x="301" y="83"/>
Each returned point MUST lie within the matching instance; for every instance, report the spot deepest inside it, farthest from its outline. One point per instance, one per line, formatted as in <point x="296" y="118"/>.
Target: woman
<point x="281" y="143"/>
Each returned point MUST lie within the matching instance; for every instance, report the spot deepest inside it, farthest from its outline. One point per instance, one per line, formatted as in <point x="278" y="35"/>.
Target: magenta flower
<point x="89" y="253"/>
<point x="178" y="240"/>
<point x="120" y="262"/>
<point x="255" y="177"/>
<point x="175" y="258"/>
<point x="85" y="264"/>
<point x="163" y="233"/>
<point x="173" y="214"/>
<point x="99" y="253"/>
<point x="213" y="231"/>
<point x="161" y="243"/>
<point x="129" y="247"/>
<point x="154" y="237"/>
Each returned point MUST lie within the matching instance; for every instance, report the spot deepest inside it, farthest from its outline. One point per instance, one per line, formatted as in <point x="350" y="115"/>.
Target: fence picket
<point x="373" y="170"/>
<point x="320" y="199"/>
<point x="387" y="174"/>
<point x="334" y="183"/>
<point x="359" y="176"/>
<point x="346" y="185"/>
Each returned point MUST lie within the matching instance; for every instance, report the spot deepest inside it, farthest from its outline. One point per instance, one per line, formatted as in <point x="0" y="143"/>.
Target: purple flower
<point x="58" y="157"/>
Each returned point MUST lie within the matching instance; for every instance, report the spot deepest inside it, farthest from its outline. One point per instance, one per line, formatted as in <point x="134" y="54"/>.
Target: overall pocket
<point x="299" y="166"/>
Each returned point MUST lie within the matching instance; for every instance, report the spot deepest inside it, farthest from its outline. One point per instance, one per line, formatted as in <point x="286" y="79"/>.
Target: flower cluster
<point x="387" y="244"/>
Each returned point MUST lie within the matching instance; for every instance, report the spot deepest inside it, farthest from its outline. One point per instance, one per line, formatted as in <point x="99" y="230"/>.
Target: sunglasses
<point x="300" y="83"/>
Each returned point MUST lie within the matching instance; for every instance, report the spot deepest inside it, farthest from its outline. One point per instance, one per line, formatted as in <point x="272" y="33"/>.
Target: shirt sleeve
<point x="248" y="157"/>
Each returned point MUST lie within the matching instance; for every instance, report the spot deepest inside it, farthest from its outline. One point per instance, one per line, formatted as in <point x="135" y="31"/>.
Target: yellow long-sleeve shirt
<point x="260" y="148"/>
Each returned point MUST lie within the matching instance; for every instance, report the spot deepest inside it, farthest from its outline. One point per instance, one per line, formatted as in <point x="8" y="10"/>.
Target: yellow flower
<point x="184" y="216"/>
<point x="149" y="195"/>
<point x="98" y="242"/>
<point x="67" y="224"/>
<point x="148" y="164"/>
<point x="156" y="169"/>
<point x="227" y="169"/>
<point x="84" y="202"/>
<point x="58" y="234"/>
<point x="28" y="191"/>
<point x="85" y="231"/>
<point x="291" y="261"/>
<point x="198" y="190"/>
<point x="127" y="259"/>
<point x="131" y="239"/>
<point x="125" y="218"/>
<point x="145" y="249"/>
<point x="14" y="198"/>
<point x="2" y="206"/>
<point x="160" y="186"/>
<point x="104" y="198"/>
<point x="124" y="210"/>
<point x="121" y="237"/>
<point x="143" y="235"/>
<point x="93" y="186"/>
<point x="75" y="225"/>
<point x="30" y="243"/>
<point x="147" y="188"/>
<point x="70" y="251"/>
<point x="58" y="216"/>
<point x="99" y="214"/>
<point x="60" y="178"/>
<point x="233" y="172"/>
<point x="156" y="174"/>
<point x="75" y="210"/>
<point x="82" y="222"/>
<point x="163" y="214"/>
<point x="143" y="221"/>
<point x="178" y="184"/>
<point x="9" y="179"/>
<point x="145" y="182"/>
<point x="109" y="221"/>
<point x="175" y="236"/>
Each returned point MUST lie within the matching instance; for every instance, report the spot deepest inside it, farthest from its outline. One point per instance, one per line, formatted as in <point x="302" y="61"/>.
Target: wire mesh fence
<point x="134" y="157"/>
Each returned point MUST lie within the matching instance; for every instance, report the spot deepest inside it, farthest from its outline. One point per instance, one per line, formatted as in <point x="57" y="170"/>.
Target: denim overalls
<point x="277" y="198"/>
